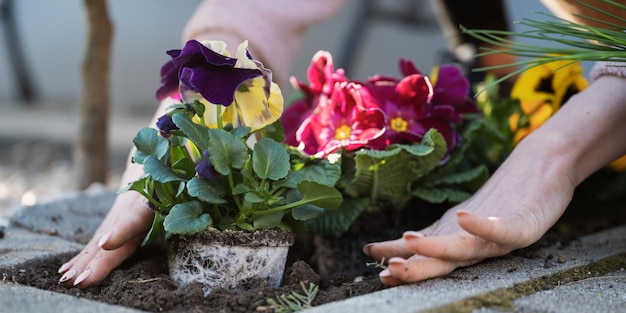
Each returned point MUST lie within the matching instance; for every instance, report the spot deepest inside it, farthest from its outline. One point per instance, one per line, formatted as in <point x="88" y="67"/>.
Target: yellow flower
<point x="252" y="108"/>
<point x="541" y="91"/>
<point x="619" y="165"/>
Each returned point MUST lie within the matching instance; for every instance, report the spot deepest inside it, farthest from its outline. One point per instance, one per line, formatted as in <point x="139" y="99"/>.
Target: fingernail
<point x="384" y="273"/>
<point x="64" y="267"/>
<point x="104" y="239"/>
<point x="412" y="235"/>
<point x="82" y="277"/>
<point x="367" y="248"/>
<point x="396" y="261"/>
<point x="67" y="276"/>
<point x="461" y="213"/>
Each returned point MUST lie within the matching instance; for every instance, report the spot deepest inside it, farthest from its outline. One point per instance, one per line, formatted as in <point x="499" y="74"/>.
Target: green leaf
<point x="389" y="174"/>
<point x="165" y="194"/>
<point x="270" y="160"/>
<point x="336" y="222"/>
<point x="322" y="171"/>
<point x="274" y="131"/>
<point x="156" y="231"/>
<point x="198" y="134"/>
<point x="268" y="220"/>
<point x="319" y="195"/>
<point x="186" y="166"/>
<point x="181" y="189"/>
<point x="197" y="107"/>
<point x="187" y="218"/>
<point x="306" y="212"/>
<point x="242" y="188"/>
<point x="291" y="181"/>
<point x="209" y="191"/>
<point x="475" y="177"/>
<point x="253" y="198"/>
<point x="158" y="171"/>
<point x="149" y="143"/>
<point x="137" y="185"/>
<point x="226" y="151"/>
<point x="245" y="226"/>
<point x="440" y="195"/>
<point x="241" y="132"/>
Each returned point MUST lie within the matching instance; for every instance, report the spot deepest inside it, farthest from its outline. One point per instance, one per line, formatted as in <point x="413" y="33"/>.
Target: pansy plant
<point x="217" y="159"/>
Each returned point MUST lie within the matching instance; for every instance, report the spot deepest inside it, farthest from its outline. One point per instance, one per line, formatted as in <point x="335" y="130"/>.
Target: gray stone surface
<point x="494" y="274"/>
<point x="605" y="293"/>
<point x="74" y="219"/>
<point x="20" y="245"/>
<point x="21" y="299"/>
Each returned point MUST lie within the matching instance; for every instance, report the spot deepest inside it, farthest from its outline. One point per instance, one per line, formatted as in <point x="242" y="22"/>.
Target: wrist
<point x="554" y="153"/>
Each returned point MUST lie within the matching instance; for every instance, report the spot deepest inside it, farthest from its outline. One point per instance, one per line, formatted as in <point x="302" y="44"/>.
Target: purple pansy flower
<point x="202" y="70"/>
<point x="166" y="125"/>
<point x="205" y="169"/>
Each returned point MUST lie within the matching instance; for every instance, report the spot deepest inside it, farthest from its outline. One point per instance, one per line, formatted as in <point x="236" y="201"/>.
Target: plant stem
<point x="231" y="184"/>
<point x="150" y="199"/>
<point x="281" y="208"/>
<point x="219" y="117"/>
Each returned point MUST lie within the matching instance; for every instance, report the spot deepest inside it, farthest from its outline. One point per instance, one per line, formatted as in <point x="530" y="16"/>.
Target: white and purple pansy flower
<point x="242" y="86"/>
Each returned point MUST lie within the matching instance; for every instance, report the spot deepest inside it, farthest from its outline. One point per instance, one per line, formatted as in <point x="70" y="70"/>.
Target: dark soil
<point x="337" y="265"/>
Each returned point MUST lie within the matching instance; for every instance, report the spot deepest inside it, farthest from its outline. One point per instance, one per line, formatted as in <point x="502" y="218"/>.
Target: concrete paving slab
<point x="497" y="274"/>
<point x="604" y="293"/>
<point x="75" y="218"/>
<point x="20" y="245"/>
<point x="21" y="299"/>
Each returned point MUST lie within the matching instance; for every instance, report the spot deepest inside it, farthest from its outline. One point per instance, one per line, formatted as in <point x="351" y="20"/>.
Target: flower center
<point x="399" y="124"/>
<point x="343" y="132"/>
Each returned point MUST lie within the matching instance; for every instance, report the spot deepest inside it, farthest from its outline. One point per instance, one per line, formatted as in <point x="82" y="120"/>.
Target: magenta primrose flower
<point x="320" y="123"/>
<point x="348" y="120"/>
<point x="450" y="100"/>
<point x="405" y="103"/>
<point x="414" y="106"/>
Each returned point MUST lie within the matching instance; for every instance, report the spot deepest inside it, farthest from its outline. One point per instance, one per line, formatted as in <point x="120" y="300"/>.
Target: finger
<point x="387" y="249"/>
<point x="388" y="280"/>
<point x="418" y="268"/>
<point x="130" y="217"/>
<point x="136" y="225"/>
<point x="124" y="235"/>
<point x="498" y="230"/>
<point x="77" y="264"/>
<point x="459" y="246"/>
<point x="103" y="263"/>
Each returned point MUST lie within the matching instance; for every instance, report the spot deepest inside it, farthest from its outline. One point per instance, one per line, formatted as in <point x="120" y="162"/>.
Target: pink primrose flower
<point x="348" y="120"/>
<point x="321" y="76"/>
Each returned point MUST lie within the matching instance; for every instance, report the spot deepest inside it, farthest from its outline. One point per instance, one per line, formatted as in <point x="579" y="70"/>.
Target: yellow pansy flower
<point x="541" y="91"/>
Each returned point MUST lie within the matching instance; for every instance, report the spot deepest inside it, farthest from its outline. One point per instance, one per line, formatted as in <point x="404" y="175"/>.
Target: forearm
<point x="274" y="29"/>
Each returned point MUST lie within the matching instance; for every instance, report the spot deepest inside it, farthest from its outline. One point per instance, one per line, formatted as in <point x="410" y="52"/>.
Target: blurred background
<point x="36" y="136"/>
